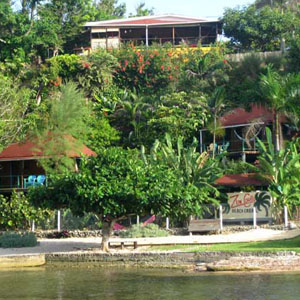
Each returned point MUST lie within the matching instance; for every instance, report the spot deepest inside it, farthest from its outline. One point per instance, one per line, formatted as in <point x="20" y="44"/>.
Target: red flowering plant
<point x="146" y="70"/>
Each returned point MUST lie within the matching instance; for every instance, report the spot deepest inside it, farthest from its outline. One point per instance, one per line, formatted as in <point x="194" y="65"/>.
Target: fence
<point x="237" y="57"/>
<point x="65" y="220"/>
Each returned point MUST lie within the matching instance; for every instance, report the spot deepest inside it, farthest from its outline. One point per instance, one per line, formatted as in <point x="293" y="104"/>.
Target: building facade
<point x="173" y="29"/>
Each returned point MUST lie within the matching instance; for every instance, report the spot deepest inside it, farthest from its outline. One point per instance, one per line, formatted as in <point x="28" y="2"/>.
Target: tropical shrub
<point x="178" y="114"/>
<point x="138" y="231"/>
<point x="17" y="240"/>
<point x="147" y="70"/>
<point x="202" y="71"/>
<point x="88" y="221"/>
<point x="96" y="72"/>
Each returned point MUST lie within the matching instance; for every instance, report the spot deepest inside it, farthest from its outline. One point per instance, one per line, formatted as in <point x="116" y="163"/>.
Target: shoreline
<point x="79" y="251"/>
<point x="283" y="261"/>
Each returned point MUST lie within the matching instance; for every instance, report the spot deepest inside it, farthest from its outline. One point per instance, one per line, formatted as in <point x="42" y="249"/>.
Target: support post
<point x="221" y="218"/>
<point x="147" y="36"/>
<point x="244" y="156"/>
<point x="58" y="221"/>
<point x="200" y="34"/>
<point x="137" y="220"/>
<point x="106" y="41"/>
<point x="167" y="223"/>
<point x="286" y="221"/>
<point x="173" y="35"/>
<point x="33" y="226"/>
<point x="201" y="142"/>
<point x="254" y="217"/>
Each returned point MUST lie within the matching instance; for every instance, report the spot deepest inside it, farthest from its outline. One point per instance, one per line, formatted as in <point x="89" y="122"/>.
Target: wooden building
<point x="19" y="162"/>
<point x="149" y="30"/>
<point x="237" y="139"/>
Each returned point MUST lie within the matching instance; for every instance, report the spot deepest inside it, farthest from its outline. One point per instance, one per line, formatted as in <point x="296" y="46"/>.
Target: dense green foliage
<point x="156" y="98"/>
<point x="16" y="212"/>
<point x="261" y="29"/>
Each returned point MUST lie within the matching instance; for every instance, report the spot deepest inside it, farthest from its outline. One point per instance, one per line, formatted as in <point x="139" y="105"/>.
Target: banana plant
<point x="281" y="169"/>
<point x="192" y="167"/>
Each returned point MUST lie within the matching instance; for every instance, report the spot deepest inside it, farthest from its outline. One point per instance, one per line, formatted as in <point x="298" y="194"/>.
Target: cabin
<point x="173" y="29"/>
<point x="19" y="167"/>
<point x="241" y="128"/>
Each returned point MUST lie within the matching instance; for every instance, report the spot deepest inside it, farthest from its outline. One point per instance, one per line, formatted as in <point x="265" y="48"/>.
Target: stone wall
<point x="201" y="261"/>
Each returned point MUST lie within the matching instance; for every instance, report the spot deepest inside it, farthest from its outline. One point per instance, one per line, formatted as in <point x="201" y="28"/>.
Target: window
<point x="104" y="35"/>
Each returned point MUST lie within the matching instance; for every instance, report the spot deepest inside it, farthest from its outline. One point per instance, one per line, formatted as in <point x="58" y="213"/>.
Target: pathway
<point x="81" y="244"/>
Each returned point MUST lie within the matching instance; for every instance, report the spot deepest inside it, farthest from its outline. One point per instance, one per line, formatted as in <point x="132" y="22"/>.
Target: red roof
<point x="27" y="150"/>
<point x="149" y="20"/>
<point x="240" y="116"/>
<point x="240" y="180"/>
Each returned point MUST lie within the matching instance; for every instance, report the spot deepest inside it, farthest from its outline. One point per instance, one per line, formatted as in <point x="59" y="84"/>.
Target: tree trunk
<point x="107" y="228"/>
<point x="214" y="137"/>
<point x="277" y="132"/>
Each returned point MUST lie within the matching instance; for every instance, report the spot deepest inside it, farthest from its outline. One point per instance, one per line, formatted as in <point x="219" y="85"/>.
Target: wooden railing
<point x="190" y="41"/>
<point x="15" y="182"/>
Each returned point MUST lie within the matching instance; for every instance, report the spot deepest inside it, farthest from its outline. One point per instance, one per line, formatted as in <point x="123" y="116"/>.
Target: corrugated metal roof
<point x="240" y="180"/>
<point x="27" y="151"/>
<point x="150" y="20"/>
<point x="241" y="116"/>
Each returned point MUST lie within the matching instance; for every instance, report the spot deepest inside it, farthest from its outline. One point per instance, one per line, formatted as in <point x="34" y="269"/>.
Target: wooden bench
<point x="133" y="244"/>
<point x="204" y="225"/>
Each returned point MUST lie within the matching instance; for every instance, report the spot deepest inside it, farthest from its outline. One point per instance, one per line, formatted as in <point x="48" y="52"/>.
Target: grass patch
<point x="17" y="240"/>
<point x="268" y="246"/>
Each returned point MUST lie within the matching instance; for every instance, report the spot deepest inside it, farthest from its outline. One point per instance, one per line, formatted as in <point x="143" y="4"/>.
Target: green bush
<point x="17" y="240"/>
<point x="16" y="213"/>
<point x="137" y="231"/>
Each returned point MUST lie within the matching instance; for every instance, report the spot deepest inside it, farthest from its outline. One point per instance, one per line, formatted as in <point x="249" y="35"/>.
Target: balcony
<point x="21" y="182"/>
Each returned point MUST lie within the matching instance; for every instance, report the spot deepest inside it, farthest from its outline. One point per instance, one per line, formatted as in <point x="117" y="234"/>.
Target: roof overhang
<point x="152" y="21"/>
<point x="237" y="180"/>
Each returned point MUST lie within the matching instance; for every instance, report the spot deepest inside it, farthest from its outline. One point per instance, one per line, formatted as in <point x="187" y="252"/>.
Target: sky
<point x="193" y="8"/>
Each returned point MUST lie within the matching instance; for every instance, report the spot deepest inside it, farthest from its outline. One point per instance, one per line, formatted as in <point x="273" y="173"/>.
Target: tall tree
<point x="141" y="10"/>
<point x="117" y="184"/>
<point x="260" y="30"/>
<point x="283" y="4"/>
<point x="108" y="9"/>
<point x="62" y="129"/>
<point x="281" y="95"/>
<point x="65" y="20"/>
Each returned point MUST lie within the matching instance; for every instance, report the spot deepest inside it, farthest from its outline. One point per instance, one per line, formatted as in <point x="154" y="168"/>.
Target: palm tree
<point x="280" y="95"/>
<point x="132" y="107"/>
<point x="215" y="105"/>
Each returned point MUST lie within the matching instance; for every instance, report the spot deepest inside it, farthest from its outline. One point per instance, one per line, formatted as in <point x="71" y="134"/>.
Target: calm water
<point x="97" y="283"/>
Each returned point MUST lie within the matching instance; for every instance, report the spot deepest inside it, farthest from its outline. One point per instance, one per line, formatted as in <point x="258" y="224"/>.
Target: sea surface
<point x="121" y="283"/>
